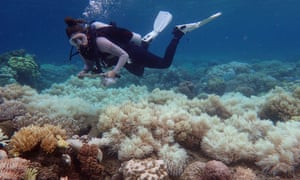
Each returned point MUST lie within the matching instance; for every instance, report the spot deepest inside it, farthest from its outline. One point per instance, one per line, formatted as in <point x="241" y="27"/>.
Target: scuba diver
<point x="105" y="45"/>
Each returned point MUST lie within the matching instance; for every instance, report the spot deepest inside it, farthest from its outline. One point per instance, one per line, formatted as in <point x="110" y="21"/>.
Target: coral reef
<point x="193" y="171"/>
<point x="216" y="170"/>
<point x="187" y="88"/>
<point x="280" y="106"/>
<point x="27" y="70"/>
<point x="29" y="137"/>
<point x="131" y="124"/>
<point x="241" y="173"/>
<point x="144" y="169"/>
<point x="3" y="139"/>
<point x="10" y="109"/>
<point x="88" y="157"/>
<point x="13" y="168"/>
<point x="175" y="158"/>
<point x="17" y="92"/>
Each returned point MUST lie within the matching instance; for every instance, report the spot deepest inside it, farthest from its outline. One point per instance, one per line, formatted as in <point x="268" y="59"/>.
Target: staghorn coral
<point x="29" y="137"/>
<point x="13" y="168"/>
<point x="216" y="170"/>
<point x="144" y="169"/>
<point x="88" y="157"/>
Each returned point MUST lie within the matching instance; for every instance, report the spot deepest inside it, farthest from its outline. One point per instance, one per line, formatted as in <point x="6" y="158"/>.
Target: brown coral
<point x="280" y="107"/>
<point x="13" y="168"/>
<point x="11" y="109"/>
<point x="16" y="92"/>
<point x="193" y="171"/>
<point x="243" y="174"/>
<point x="216" y="170"/>
<point x="28" y="137"/>
<point x="213" y="106"/>
<point x="87" y="156"/>
<point x="39" y="119"/>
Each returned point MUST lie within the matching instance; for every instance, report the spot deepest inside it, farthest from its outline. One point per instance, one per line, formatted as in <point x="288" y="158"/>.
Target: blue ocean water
<point x="253" y="29"/>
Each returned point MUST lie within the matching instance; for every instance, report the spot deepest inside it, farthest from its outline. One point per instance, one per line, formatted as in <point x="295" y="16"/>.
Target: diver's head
<point x="75" y="31"/>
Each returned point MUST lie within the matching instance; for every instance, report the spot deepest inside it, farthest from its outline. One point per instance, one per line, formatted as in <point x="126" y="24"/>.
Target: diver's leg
<point x="142" y="57"/>
<point x="192" y="26"/>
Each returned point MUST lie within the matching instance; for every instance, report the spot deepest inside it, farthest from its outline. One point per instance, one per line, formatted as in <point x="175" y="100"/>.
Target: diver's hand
<point x="109" y="78"/>
<point x="110" y="74"/>
<point x="106" y="81"/>
<point x="81" y="74"/>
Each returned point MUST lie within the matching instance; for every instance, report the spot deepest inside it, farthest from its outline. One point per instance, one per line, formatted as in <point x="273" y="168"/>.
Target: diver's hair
<point x="74" y="25"/>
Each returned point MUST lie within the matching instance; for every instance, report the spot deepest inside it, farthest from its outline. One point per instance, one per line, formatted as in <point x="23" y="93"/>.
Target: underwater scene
<point x="150" y="90"/>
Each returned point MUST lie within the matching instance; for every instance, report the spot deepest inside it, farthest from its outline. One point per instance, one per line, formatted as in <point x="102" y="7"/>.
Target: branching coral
<point x="11" y="109"/>
<point x="29" y="137"/>
<point x="88" y="157"/>
<point x="278" y="153"/>
<point x="37" y="118"/>
<point x="175" y="158"/>
<point x="280" y="106"/>
<point x="227" y="144"/>
<point x="13" y="168"/>
<point x="144" y="169"/>
<point x="17" y="92"/>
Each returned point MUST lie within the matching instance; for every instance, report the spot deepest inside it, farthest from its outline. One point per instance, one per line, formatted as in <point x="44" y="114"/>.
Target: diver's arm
<point x="107" y="46"/>
<point x="88" y="66"/>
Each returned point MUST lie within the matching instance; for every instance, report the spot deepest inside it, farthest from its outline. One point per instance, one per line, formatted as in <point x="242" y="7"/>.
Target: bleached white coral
<point x="175" y="158"/>
<point x="139" y="145"/>
<point x="227" y="144"/>
<point x="279" y="152"/>
<point x="144" y="169"/>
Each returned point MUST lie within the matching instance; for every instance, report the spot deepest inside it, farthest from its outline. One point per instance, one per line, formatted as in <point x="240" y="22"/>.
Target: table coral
<point x="144" y="169"/>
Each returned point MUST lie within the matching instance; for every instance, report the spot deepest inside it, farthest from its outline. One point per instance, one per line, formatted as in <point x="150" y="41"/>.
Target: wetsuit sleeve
<point x="107" y="46"/>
